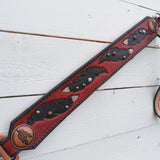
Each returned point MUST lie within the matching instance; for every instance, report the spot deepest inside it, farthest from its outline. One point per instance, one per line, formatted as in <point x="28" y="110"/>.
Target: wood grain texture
<point x="103" y="115"/>
<point x="141" y="144"/>
<point x="81" y="19"/>
<point x="149" y="5"/>
<point x="117" y="122"/>
<point x="33" y="65"/>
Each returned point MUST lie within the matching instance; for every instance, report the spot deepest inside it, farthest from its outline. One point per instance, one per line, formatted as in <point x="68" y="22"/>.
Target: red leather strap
<point x="34" y="124"/>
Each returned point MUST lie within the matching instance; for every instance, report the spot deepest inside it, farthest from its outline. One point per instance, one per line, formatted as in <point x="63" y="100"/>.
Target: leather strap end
<point x="157" y="103"/>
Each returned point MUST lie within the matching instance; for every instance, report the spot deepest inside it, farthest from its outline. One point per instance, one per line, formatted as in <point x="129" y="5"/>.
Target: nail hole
<point x="139" y="138"/>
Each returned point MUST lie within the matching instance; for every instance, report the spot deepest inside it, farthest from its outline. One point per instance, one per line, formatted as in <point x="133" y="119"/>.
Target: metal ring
<point x="157" y="103"/>
<point x="154" y="24"/>
<point x="3" y="158"/>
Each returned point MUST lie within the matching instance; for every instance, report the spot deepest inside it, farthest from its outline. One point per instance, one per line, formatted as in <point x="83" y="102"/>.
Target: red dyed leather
<point x="42" y="128"/>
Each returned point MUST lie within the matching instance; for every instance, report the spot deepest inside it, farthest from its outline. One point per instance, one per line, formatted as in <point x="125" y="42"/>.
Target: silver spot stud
<point x="50" y="113"/>
<point x="77" y="87"/>
<point x="113" y="53"/>
<point x="108" y="54"/>
<point x="38" y="111"/>
<point x="89" y="79"/>
<point x="83" y="84"/>
<point x="67" y="106"/>
<point x="144" y="31"/>
<point x="124" y="57"/>
<point x="134" y="37"/>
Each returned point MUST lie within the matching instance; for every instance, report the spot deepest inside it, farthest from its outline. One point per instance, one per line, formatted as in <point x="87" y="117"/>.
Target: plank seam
<point x="42" y="94"/>
<point x="144" y="7"/>
<point x="98" y="140"/>
<point x="68" y="38"/>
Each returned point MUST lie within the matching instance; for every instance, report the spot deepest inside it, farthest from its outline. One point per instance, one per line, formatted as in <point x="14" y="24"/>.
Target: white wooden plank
<point x="154" y="4"/>
<point x="98" y="19"/>
<point x="141" y="144"/>
<point x="104" y="114"/>
<point x="33" y="65"/>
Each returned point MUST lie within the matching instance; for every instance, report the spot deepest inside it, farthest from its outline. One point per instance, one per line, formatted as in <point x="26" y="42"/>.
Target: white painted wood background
<point x="42" y="42"/>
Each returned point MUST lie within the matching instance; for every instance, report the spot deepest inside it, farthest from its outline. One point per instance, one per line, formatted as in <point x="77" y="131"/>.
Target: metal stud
<point x="38" y="111"/>
<point x="124" y="57"/>
<point x="108" y="54"/>
<point x="67" y="106"/>
<point x="90" y="79"/>
<point x="50" y="113"/>
<point x="144" y="31"/>
<point x="83" y="84"/>
<point x="113" y="53"/>
<point x="77" y="87"/>
<point x="134" y="37"/>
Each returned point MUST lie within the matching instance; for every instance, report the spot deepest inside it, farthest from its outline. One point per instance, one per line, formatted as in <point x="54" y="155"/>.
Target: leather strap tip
<point x="157" y="103"/>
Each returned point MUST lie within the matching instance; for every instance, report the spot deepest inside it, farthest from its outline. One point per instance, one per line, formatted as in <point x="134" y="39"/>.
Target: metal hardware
<point x="50" y="113"/>
<point x="38" y="111"/>
<point x="157" y="103"/>
<point x="3" y="154"/>
<point x="67" y="106"/>
<point x="77" y="87"/>
<point x="90" y="79"/>
<point x="154" y="24"/>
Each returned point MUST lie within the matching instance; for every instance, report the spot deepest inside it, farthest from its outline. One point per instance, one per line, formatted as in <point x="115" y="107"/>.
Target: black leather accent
<point x="55" y="106"/>
<point x="137" y="37"/>
<point x="115" y="54"/>
<point x="84" y="79"/>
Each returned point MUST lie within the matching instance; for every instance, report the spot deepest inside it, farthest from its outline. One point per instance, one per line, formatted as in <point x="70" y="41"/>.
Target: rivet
<point x="113" y="53"/>
<point x="108" y="54"/>
<point x="142" y="31"/>
<point x="50" y="113"/>
<point x="67" y="106"/>
<point x="77" y="87"/>
<point x="83" y="84"/>
<point x="89" y="79"/>
<point x="134" y="36"/>
<point x="124" y="57"/>
<point x="38" y="111"/>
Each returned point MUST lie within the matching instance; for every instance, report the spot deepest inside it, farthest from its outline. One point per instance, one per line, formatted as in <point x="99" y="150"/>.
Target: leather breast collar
<point x="30" y="128"/>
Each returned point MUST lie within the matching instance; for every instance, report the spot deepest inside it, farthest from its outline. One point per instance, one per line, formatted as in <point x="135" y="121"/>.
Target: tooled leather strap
<point x="34" y="124"/>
